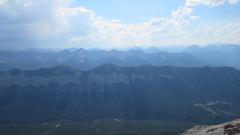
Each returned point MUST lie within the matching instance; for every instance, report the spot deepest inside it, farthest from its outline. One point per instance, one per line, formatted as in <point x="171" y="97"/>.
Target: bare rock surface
<point x="229" y="128"/>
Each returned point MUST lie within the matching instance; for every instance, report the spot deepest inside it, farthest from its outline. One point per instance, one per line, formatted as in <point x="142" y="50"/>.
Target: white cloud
<point x="3" y="3"/>
<point x="43" y="23"/>
<point x="192" y="3"/>
<point x="233" y="1"/>
<point x="182" y="16"/>
<point x="219" y="33"/>
<point x="78" y="20"/>
<point x="182" y="12"/>
<point x="28" y="22"/>
<point x="116" y="34"/>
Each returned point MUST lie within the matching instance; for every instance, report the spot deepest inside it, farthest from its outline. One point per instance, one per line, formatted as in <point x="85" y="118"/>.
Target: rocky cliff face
<point x="230" y="128"/>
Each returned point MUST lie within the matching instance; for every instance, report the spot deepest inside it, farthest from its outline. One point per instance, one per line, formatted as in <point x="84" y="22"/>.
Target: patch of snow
<point x="58" y="125"/>
<point x="95" y="121"/>
<point x="210" y="103"/>
<point x="45" y="123"/>
<point x="117" y="120"/>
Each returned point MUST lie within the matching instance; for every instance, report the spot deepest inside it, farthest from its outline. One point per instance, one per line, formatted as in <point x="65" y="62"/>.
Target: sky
<point x="111" y="24"/>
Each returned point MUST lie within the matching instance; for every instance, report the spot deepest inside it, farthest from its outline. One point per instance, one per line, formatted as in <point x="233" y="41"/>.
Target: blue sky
<point x="141" y="10"/>
<point x="222" y="13"/>
<point x="131" y="10"/>
<point x="112" y="24"/>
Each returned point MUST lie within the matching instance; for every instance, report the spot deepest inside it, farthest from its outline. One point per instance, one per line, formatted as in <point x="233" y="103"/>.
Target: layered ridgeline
<point x="205" y="94"/>
<point x="88" y="59"/>
<point x="195" y="56"/>
<point x="225" y="55"/>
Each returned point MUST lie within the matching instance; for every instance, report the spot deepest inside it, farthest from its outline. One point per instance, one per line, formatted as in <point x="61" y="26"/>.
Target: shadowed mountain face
<point x="88" y="59"/>
<point x="203" y="94"/>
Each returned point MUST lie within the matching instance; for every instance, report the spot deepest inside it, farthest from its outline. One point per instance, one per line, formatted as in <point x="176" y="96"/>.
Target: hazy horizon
<point x="173" y="48"/>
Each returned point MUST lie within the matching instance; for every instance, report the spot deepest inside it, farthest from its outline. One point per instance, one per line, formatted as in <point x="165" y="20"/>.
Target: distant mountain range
<point x="204" y="94"/>
<point x="88" y="59"/>
<point x="225" y="55"/>
<point x="228" y="55"/>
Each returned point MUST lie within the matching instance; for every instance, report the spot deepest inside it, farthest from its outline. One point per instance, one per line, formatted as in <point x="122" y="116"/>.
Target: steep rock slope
<point x="205" y="94"/>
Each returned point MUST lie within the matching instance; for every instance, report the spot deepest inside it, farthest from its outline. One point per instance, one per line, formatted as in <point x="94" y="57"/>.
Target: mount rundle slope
<point x="204" y="94"/>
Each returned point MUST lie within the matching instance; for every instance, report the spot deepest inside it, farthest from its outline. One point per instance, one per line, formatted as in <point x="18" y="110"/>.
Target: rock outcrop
<point x="230" y="128"/>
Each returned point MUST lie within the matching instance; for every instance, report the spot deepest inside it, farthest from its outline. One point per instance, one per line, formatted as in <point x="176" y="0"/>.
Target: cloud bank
<point x="58" y="24"/>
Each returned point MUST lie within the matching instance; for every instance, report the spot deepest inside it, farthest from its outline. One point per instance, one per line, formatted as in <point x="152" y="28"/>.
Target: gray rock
<point x="229" y="128"/>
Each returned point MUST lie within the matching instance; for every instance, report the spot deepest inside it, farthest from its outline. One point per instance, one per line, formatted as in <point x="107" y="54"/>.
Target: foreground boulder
<point x="230" y="128"/>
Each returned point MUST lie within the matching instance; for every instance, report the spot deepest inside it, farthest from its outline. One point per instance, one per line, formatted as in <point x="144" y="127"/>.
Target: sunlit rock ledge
<point x="229" y="128"/>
